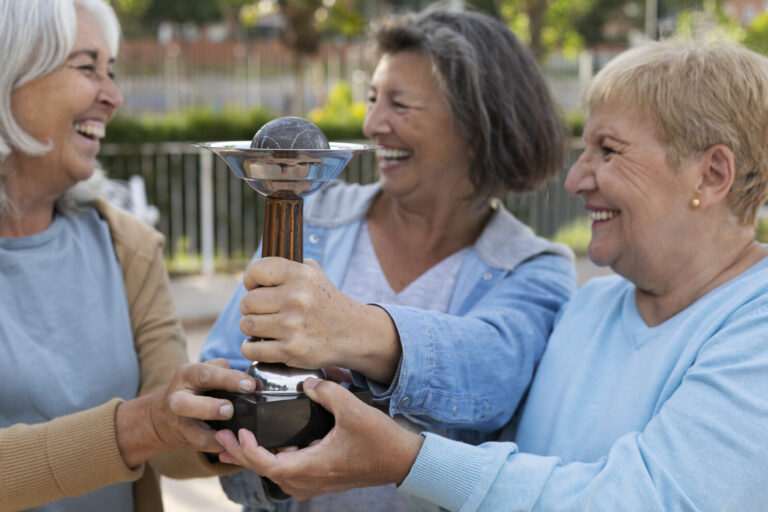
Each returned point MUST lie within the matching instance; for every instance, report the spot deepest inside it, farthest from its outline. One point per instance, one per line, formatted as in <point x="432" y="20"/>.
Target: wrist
<point x="137" y="438"/>
<point x="377" y="349"/>
<point x="411" y="446"/>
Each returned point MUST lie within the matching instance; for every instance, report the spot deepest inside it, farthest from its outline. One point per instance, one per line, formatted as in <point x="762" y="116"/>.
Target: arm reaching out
<point x="364" y="448"/>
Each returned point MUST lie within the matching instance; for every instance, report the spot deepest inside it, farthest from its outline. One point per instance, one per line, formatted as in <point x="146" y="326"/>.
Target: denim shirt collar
<point x="504" y="243"/>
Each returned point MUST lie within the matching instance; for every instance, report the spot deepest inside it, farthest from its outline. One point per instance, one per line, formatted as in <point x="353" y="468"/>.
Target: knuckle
<point x="246" y="303"/>
<point x="175" y="402"/>
<point x="246" y="323"/>
<point x="205" y="374"/>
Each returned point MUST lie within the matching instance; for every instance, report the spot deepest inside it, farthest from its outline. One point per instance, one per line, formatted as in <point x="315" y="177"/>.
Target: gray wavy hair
<point x="36" y="36"/>
<point x="498" y="97"/>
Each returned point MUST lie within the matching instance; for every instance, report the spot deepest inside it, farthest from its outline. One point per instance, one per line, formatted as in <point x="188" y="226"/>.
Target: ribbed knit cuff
<point x="445" y="472"/>
<point x="67" y="456"/>
<point x="90" y="458"/>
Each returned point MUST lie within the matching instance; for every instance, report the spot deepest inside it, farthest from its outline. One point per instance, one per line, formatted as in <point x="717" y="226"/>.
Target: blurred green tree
<point x="305" y="22"/>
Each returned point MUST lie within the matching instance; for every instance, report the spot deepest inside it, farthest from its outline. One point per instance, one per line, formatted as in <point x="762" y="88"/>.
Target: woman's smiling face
<point x="407" y="115"/>
<point x="638" y="203"/>
<point x="69" y="108"/>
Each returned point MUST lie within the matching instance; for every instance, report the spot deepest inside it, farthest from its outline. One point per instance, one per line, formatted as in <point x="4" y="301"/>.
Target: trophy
<point x="289" y="158"/>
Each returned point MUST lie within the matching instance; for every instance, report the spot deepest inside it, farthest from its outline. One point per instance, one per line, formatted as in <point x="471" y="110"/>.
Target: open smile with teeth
<point x="392" y="154"/>
<point x="90" y="130"/>
<point x="597" y="215"/>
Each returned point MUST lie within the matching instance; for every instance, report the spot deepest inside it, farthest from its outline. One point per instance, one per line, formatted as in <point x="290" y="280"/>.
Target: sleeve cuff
<point x="446" y="472"/>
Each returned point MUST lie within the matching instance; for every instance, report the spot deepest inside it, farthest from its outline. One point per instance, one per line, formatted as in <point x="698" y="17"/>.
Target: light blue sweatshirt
<point x="65" y="334"/>
<point x="622" y="416"/>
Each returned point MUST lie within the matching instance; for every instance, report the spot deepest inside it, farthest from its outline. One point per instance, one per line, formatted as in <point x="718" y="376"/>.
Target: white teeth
<point x="602" y="214"/>
<point x="92" y="130"/>
<point x="391" y="154"/>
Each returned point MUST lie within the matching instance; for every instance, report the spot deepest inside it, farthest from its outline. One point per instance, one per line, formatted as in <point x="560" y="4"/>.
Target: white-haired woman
<point x="89" y="337"/>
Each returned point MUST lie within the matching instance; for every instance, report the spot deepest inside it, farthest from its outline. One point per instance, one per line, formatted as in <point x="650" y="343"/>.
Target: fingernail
<point x="245" y="385"/>
<point x="227" y="410"/>
<point x="311" y="383"/>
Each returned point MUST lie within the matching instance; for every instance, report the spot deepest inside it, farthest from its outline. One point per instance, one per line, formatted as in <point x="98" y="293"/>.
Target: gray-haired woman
<point x="89" y="336"/>
<point x="465" y="295"/>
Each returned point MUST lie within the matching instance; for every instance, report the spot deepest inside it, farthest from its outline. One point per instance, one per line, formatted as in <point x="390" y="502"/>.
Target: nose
<point x="109" y="94"/>
<point x="376" y="120"/>
<point x="581" y="177"/>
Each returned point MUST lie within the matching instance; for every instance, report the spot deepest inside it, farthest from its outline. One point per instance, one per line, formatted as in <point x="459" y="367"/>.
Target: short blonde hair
<point x="699" y="94"/>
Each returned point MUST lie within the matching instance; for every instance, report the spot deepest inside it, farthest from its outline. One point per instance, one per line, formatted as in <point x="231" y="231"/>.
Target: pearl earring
<point x="695" y="202"/>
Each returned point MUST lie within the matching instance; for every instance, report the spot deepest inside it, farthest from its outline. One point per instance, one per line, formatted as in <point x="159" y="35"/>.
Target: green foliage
<point x="184" y="261"/>
<point x="131" y="7"/>
<point x="575" y="120"/>
<point x="575" y="235"/>
<point x="340" y="115"/>
<point x="709" y="23"/>
<point x="756" y="36"/>
<point x="761" y="231"/>
<point x="547" y="24"/>
<point x="203" y="124"/>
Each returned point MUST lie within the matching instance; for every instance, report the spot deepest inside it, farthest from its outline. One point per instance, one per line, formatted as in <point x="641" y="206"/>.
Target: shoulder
<point x="339" y="203"/>
<point x="506" y="242"/>
<point x="129" y="233"/>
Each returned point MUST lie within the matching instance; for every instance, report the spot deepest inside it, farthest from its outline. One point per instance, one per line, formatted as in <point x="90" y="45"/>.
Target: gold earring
<point x="695" y="202"/>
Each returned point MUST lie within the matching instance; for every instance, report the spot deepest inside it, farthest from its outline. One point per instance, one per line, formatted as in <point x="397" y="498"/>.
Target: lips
<point x="92" y="129"/>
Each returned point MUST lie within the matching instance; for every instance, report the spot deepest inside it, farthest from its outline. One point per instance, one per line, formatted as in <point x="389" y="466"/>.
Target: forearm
<point x="68" y="456"/>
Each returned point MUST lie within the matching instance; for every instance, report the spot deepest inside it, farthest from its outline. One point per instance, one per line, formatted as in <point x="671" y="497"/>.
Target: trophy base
<point x="278" y="421"/>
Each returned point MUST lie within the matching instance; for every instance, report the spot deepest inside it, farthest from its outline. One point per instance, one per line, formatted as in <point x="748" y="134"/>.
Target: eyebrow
<point x="94" y="54"/>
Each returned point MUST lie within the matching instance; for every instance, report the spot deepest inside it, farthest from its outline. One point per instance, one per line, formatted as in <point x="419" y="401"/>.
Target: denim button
<point x="313" y="238"/>
<point x="487" y="276"/>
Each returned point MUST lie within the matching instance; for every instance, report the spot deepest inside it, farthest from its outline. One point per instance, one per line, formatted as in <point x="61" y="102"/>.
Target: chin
<point x="597" y="257"/>
<point x="83" y="171"/>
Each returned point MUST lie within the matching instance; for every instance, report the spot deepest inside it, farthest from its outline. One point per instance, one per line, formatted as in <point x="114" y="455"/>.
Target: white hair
<point x="36" y="37"/>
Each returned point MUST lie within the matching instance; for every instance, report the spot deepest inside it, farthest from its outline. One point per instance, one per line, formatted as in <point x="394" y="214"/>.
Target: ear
<point x="718" y="170"/>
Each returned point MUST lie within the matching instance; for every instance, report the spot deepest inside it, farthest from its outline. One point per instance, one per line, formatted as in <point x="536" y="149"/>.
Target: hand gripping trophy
<point x="288" y="159"/>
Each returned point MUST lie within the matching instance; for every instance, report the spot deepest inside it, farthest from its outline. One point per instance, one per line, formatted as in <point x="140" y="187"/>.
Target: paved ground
<point x="199" y="300"/>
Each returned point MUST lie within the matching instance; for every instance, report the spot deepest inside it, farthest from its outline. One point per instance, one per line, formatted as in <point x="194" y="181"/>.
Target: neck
<point x="439" y="228"/>
<point x="14" y="224"/>
<point x="31" y="205"/>
<point x="705" y="269"/>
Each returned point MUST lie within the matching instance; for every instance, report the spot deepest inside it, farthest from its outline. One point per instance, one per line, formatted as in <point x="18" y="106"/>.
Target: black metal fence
<point x="212" y="220"/>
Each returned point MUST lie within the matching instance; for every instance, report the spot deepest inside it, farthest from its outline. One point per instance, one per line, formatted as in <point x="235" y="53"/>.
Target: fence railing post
<point x="206" y="212"/>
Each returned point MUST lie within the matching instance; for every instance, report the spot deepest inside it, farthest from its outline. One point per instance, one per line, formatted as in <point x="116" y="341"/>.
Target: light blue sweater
<point x="622" y="416"/>
<point x="65" y="334"/>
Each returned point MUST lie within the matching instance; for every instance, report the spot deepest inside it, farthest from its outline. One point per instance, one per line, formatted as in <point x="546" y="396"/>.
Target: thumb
<point x="330" y="395"/>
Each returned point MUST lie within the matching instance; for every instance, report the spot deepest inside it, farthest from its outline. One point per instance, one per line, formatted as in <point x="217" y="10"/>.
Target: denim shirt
<point x="463" y="372"/>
